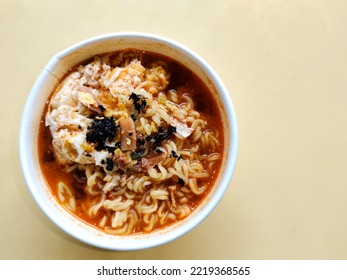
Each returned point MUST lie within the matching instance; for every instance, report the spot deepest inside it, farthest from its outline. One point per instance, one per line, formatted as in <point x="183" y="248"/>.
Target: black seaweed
<point x="162" y="135"/>
<point x="102" y="108"/>
<point x="110" y="149"/>
<point x="140" y="142"/>
<point x="139" y="102"/>
<point x="180" y="182"/>
<point x="109" y="164"/>
<point x="137" y="154"/>
<point x="175" y="155"/>
<point x="117" y="145"/>
<point x="100" y="130"/>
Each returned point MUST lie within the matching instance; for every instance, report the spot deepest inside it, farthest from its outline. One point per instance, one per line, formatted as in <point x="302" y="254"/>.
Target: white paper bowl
<point x="48" y="80"/>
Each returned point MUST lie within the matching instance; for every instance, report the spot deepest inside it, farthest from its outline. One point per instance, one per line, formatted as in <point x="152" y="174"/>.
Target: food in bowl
<point x="130" y="141"/>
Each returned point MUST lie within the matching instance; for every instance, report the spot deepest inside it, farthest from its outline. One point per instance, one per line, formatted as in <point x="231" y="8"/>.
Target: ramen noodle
<point x="130" y="142"/>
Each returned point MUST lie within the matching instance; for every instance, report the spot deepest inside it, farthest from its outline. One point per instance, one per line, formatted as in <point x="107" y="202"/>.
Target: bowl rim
<point x="159" y="239"/>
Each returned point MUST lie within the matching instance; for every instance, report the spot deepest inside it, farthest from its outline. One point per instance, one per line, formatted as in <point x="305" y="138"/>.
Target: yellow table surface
<point x="285" y="66"/>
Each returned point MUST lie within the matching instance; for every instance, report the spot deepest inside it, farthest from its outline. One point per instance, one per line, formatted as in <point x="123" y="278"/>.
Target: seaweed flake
<point x="139" y="101"/>
<point x="102" y="108"/>
<point x="173" y="154"/>
<point x="101" y="130"/>
<point x="161" y="136"/>
<point x="109" y="164"/>
<point x="137" y="154"/>
<point x="180" y="182"/>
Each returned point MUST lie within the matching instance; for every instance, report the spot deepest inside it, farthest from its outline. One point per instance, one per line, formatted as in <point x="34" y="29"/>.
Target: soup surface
<point x="130" y="142"/>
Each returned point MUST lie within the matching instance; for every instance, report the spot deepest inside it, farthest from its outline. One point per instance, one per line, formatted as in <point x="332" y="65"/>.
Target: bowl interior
<point x="46" y="83"/>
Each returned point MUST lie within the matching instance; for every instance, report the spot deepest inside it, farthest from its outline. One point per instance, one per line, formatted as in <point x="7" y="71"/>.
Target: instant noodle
<point x="130" y="141"/>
